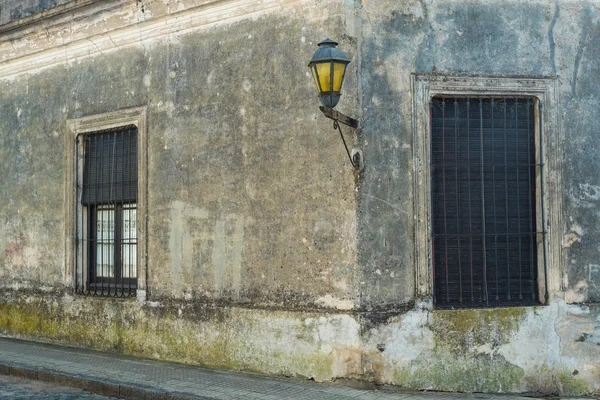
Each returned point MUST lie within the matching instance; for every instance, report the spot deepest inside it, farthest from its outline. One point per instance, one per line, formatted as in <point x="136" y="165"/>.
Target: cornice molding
<point x="50" y="16"/>
<point x="57" y="45"/>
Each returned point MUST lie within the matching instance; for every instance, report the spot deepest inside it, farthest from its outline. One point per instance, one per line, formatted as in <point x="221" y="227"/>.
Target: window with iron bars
<point x="107" y="261"/>
<point x="484" y="201"/>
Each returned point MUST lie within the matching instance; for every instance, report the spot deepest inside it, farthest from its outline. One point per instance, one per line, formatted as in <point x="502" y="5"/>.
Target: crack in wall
<point x="97" y="48"/>
<point x="586" y="35"/>
<point x="551" y="40"/>
<point x="428" y="41"/>
<point x="556" y="379"/>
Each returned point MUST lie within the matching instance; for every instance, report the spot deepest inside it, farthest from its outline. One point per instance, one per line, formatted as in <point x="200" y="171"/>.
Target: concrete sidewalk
<point x="133" y="378"/>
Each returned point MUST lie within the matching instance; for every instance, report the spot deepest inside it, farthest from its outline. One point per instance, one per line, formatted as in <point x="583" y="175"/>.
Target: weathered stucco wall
<point x="224" y="122"/>
<point x="541" y="38"/>
<point x="265" y="251"/>
<point x="541" y="347"/>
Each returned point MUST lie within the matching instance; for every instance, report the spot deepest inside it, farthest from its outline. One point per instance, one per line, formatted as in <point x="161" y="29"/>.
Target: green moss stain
<point x="475" y="373"/>
<point x="572" y="386"/>
<point x="456" y="363"/>
<point x="32" y="318"/>
<point x="463" y="329"/>
<point x="177" y="340"/>
<point x="226" y="341"/>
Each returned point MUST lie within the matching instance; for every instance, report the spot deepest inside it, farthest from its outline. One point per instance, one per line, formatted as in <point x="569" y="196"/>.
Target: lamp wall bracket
<point x="339" y="117"/>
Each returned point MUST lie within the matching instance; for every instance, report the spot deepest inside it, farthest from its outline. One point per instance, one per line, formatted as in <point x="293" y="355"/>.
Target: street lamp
<point x="328" y="66"/>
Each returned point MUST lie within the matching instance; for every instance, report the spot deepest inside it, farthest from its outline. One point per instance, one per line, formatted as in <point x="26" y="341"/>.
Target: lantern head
<point x="328" y="66"/>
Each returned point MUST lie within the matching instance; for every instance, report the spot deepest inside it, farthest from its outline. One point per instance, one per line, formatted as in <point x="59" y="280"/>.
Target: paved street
<point x="15" y="388"/>
<point x="128" y="377"/>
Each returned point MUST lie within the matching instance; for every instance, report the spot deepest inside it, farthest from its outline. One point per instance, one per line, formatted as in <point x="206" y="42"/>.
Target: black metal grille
<point x="106" y="245"/>
<point x="483" y="188"/>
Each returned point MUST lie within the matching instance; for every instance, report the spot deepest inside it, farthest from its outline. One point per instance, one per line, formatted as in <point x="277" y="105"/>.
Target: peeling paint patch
<point x="578" y="293"/>
<point x="577" y="309"/>
<point x="331" y="302"/>
<point x="570" y="239"/>
<point x="586" y="195"/>
<point x="404" y="338"/>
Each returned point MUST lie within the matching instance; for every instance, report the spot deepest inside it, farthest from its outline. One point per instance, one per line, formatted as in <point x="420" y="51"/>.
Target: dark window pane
<point x="483" y="201"/>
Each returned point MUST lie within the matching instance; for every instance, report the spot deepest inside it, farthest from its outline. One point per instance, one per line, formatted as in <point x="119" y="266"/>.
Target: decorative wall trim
<point x="424" y="87"/>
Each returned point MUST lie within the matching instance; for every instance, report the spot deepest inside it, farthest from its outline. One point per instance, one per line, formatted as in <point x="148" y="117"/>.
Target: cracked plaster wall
<point x="221" y="130"/>
<point x="252" y="203"/>
<point x="540" y="38"/>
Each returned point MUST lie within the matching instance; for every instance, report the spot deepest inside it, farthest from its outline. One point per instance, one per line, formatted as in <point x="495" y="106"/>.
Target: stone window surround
<point x="426" y="86"/>
<point x="131" y="116"/>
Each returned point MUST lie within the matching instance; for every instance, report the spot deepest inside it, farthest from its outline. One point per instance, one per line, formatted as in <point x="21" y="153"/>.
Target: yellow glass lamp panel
<point x="324" y="74"/>
<point x="314" y="72"/>
<point x="338" y="75"/>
